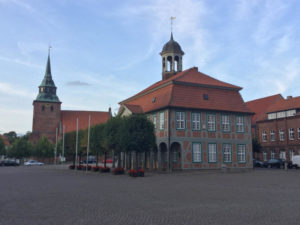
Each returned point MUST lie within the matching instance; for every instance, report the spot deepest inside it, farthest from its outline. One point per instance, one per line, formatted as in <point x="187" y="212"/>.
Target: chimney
<point x="289" y="97"/>
<point x="109" y="111"/>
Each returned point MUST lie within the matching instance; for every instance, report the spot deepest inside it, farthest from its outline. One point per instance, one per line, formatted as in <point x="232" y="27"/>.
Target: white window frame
<point x="225" y="123"/>
<point x="240" y="125"/>
<point x="264" y="136"/>
<point x="180" y="120"/>
<point x="291" y="134"/>
<point x="211" y="122"/>
<point x="272" y="135"/>
<point x="196" y="121"/>
<point x="154" y="120"/>
<point x="282" y="155"/>
<point x="162" y="120"/>
<point x="197" y="153"/>
<point x="227" y="153"/>
<point x="241" y="153"/>
<point x="272" y="154"/>
<point x="265" y="156"/>
<point x="212" y="152"/>
<point x="292" y="153"/>
<point x="281" y="134"/>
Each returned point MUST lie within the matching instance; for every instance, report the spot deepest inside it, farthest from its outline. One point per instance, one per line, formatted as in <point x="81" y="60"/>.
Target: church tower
<point x="46" y="109"/>
<point x="171" y="55"/>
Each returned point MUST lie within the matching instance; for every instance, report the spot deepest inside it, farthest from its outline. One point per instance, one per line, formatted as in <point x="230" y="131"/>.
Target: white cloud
<point x="15" y="90"/>
<point x="272" y="12"/>
<point x="21" y="62"/>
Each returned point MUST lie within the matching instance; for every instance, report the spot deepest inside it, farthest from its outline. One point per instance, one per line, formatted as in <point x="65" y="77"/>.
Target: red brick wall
<point x="277" y="145"/>
<point x="45" y="122"/>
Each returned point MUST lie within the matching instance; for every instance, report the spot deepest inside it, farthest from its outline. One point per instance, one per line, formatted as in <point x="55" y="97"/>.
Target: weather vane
<point x="172" y="18"/>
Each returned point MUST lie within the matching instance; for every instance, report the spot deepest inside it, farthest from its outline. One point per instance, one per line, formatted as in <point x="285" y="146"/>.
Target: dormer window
<point x="42" y="89"/>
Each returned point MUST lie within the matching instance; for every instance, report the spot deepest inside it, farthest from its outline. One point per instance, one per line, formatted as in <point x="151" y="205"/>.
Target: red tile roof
<point x="69" y="118"/>
<point x="136" y="109"/>
<point x="260" y="106"/>
<point x="186" y="90"/>
<point x="285" y="104"/>
<point x="6" y="142"/>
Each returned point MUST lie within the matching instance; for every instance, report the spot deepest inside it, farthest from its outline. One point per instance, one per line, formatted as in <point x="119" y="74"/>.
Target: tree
<point x="112" y="137"/>
<point x="44" y="148"/>
<point x="11" y="136"/>
<point x="20" y="149"/>
<point x="97" y="140"/>
<point x="137" y="134"/>
<point x="2" y="147"/>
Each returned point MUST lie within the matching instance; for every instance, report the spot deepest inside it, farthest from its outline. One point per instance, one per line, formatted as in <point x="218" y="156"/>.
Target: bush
<point x="118" y="171"/>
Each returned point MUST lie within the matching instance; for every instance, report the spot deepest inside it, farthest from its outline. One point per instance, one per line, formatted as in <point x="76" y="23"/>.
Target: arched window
<point x="164" y="63"/>
<point x="176" y="63"/>
<point x="51" y="108"/>
<point x="169" y="59"/>
<point x="43" y="108"/>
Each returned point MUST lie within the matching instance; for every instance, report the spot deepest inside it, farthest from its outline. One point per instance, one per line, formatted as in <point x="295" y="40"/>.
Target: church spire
<point x="47" y="89"/>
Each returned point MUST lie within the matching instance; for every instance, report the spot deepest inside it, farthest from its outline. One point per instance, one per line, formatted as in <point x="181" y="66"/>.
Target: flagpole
<point x="55" y="151"/>
<point x="63" y="145"/>
<point x="76" y="154"/>
<point x="88" y="145"/>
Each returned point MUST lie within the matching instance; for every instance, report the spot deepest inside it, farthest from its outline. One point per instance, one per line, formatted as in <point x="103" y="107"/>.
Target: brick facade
<point x="184" y="139"/>
<point x="287" y="144"/>
<point x="46" y="118"/>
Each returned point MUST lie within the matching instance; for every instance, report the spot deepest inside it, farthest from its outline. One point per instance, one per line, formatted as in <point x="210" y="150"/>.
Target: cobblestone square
<point x="55" y="195"/>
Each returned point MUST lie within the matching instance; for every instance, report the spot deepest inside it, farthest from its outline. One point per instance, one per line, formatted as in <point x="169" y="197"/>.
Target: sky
<point x="105" y="51"/>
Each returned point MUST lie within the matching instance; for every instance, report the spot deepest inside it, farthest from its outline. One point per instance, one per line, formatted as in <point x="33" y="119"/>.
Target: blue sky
<point x="105" y="51"/>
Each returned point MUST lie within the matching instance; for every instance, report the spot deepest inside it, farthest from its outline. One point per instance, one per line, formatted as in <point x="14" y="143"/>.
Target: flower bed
<point x="118" y="171"/>
<point x="80" y="167"/>
<point x="141" y="172"/>
<point x="72" y="167"/>
<point x="95" y="168"/>
<point x="105" y="169"/>
<point x="133" y="173"/>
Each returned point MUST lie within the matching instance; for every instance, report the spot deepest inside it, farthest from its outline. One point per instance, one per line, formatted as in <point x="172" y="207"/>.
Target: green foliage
<point x="2" y="147"/>
<point x="20" y="148"/>
<point x="112" y="134"/>
<point x="43" y="148"/>
<point x="256" y="147"/>
<point x="97" y="139"/>
<point x="137" y="134"/>
<point x="11" y="136"/>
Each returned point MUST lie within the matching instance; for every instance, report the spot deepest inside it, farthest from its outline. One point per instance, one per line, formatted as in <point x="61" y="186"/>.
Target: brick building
<point x="200" y="122"/>
<point x="49" y="119"/>
<point x="277" y="126"/>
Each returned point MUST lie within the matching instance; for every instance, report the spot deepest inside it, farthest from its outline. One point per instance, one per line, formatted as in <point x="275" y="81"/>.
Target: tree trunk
<point x="104" y="159"/>
<point x="97" y="155"/>
<point x="113" y="159"/>
<point x="136" y="161"/>
<point x="119" y="160"/>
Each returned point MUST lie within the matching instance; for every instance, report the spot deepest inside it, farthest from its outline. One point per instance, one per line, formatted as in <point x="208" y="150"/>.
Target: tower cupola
<point x="171" y="58"/>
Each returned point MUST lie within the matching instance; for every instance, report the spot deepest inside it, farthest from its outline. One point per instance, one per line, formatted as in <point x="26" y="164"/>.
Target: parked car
<point x="89" y="162"/>
<point x="9" y="162"/>
<point x="107" y="161"/>
<point x="258" y="163"/>
<point x="33" y="163"/>
<point x="295" y="163"/>
<point x="275" y="163"/>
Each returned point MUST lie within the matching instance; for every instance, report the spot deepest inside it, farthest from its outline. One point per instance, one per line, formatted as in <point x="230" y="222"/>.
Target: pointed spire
<point x="48" y="67"/>
<point x="171" y="37"/>
<point x="47" y="89"/>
